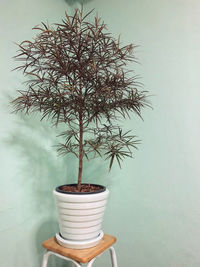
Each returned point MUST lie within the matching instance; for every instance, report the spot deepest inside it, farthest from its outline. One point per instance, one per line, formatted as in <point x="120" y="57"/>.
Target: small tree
<point x="77" y="76"/>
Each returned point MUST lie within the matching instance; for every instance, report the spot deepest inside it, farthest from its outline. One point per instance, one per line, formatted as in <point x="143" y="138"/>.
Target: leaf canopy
<point x="76" y="69"/>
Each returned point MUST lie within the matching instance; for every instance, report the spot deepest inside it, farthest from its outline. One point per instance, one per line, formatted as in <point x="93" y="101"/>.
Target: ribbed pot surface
<point x="80" y="216"/>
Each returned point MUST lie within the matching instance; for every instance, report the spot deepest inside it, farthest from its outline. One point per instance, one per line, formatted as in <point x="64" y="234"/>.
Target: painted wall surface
<point x="154" y="207"/>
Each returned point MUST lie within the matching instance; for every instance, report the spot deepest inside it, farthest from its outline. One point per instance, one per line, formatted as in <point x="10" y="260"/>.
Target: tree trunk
<point x="80" y="151"/>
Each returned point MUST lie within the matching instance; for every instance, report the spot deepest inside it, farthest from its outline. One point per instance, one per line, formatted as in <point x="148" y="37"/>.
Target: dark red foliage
<point x="77" y="74"/>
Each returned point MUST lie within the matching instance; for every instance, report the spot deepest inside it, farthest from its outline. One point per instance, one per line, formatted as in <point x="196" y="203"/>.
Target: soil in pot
<point x="85" y="188"/>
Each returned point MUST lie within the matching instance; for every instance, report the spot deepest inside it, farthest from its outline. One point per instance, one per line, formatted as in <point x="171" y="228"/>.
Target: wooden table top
<point x="80" y="255"/>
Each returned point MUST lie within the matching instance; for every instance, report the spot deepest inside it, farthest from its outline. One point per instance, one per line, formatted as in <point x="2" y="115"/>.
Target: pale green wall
<point x="155" y="199"/>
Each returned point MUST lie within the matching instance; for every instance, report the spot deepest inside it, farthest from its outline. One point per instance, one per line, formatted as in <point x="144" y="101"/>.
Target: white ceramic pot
<point x="80" y="215"/>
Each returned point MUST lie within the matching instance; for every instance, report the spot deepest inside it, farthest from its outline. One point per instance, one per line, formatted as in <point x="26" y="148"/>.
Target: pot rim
<point x="103" y="189"/>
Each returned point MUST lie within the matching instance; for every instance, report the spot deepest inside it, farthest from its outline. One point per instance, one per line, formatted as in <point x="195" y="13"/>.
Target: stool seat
<point x="80" y="255"/>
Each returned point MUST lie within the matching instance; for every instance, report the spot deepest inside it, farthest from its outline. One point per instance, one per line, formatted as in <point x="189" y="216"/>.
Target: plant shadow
<point x="41" y="170"/>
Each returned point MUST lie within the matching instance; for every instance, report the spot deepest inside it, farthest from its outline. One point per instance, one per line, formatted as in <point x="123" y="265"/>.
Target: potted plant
<point x="78" y="75"/>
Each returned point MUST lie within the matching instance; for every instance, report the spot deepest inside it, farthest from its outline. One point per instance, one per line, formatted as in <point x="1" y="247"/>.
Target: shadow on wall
<point x="39" y="170"/>
<point x="73" y="2"/>
<point x="44" y="232"/>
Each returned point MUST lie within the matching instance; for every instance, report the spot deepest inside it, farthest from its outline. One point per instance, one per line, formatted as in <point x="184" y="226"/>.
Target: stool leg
<point x="113" y="257"/>
<point x="45" y="258"/>
<point x="48" y="253"/>
<point x="91" y="262"/>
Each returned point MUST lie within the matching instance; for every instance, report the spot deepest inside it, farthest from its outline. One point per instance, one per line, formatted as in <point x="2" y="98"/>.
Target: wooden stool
<point x="78" y="256"/>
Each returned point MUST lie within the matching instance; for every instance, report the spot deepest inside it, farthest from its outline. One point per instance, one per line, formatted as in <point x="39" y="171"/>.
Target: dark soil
<point x="85" y="188"/>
